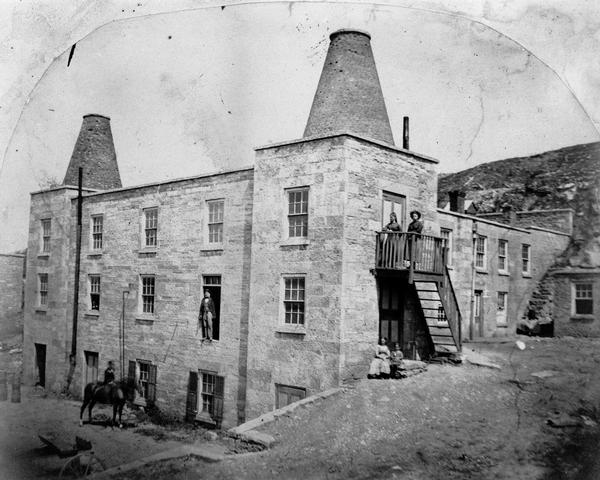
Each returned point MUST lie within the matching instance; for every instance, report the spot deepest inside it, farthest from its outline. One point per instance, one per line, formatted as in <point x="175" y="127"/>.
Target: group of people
<point x="396" y="249"/>
<point x="381" y="365"/>
<point x="415" y="226"/>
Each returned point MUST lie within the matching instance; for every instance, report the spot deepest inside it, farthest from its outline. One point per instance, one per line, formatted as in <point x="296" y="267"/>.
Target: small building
<point x="293" y="252"/>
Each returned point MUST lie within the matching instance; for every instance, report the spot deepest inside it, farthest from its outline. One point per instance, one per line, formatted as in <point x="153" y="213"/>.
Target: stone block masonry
<point x="12" y="288"/>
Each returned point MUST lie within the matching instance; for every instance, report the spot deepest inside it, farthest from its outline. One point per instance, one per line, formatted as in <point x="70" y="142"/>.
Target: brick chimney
<point x="95" y="152"/>
<point x="349" y="96"/>
<point x="457" y="201"/>
<point x="509" y="214"/>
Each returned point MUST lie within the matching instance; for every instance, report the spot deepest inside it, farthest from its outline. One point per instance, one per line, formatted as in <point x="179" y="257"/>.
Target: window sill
<point x="502" y="325"/>
<point x="481" y="270"/>
<point x="526" y="275"/>
<point x="583" y="318"/>
<point x="43" y="255"/>
<point x="41" y="310"/>
<point x="504" y="273"/>
<point x="293" y="329"/>
<point x="295" y="241"/>
<point x="211" y="247"/>
<point x="148" y="250"/>
<point x="92" y="313"/>
<point x="94" y="253"/>
<point x="144" y="320"/>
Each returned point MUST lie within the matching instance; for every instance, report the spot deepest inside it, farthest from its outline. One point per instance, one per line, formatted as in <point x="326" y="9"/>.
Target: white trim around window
<point x="502" y="256"/>
<point x="147" y="295"/>
<point x="96" y="233"/>
<point x="296" y="214"/>
<point x="481" y="253"/>
<point x="149" y="228"/>
<point x="214" y="226"/>
<point x="526" y="259"/>
<point x="582" y="299"/>
<point x="292" y="304"/>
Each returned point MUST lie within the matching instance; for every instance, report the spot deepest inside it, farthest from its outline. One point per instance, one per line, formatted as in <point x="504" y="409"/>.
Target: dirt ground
<point x="451" y="422"/>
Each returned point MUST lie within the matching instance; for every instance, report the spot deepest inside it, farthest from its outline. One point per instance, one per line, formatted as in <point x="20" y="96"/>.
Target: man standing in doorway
<point x="206" y="315"/>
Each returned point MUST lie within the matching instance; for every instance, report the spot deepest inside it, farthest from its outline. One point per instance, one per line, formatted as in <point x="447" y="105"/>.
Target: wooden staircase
<point x="442" y="316"/>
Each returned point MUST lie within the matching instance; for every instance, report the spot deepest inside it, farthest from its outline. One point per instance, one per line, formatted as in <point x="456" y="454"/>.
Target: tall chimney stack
<point x="349" y="97"/>
<point x="405" y="134"/>
<point x="95" y="152"/>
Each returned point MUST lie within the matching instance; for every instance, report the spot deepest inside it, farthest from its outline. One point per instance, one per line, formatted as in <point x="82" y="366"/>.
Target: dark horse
<point x="115" y="393"/>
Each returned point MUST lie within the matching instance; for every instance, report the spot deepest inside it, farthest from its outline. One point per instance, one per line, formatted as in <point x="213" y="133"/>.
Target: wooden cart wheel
<point x="81" y="465"/>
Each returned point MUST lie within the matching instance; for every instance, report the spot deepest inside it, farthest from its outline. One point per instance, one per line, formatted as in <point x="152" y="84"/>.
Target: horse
<point x="114" y="393"/>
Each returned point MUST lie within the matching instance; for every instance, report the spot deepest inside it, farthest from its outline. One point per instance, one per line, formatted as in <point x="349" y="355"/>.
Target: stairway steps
<point x="439" y="329"/>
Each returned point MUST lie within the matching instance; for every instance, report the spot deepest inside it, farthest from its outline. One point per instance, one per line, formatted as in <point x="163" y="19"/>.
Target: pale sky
<point x="194" y="91"/>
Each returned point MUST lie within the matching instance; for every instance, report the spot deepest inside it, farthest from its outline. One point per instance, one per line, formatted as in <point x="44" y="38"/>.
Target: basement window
<point x="284" y="395"/>
<point x="583" y="299"/>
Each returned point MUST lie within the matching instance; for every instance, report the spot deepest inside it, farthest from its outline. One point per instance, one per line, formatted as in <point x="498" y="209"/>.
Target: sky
<point x="194" y="90"/>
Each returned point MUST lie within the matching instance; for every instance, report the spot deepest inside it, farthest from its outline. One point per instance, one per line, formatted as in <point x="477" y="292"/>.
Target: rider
<point x="109" y="374"/>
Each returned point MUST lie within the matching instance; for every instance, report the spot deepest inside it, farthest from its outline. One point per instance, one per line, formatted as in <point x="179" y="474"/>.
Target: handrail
<point x="410" y="251"/>
<point x="451" y="308"/>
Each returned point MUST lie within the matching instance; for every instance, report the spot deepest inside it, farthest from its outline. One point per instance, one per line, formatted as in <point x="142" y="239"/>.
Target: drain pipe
<point x="473" y="253"/>
<point x="73" y="355"/>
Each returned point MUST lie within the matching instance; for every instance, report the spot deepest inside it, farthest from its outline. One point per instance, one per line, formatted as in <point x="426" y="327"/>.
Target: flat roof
<point x="482" y="220"/>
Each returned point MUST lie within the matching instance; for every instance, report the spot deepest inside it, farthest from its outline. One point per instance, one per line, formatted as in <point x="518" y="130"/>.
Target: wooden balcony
<point x="411" y="252"/>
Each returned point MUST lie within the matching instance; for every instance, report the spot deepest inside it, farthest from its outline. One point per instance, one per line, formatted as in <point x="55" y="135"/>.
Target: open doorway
<point x="391" y="312"/>
<point x="40" y="364"/>
<point x="212" y="283"/>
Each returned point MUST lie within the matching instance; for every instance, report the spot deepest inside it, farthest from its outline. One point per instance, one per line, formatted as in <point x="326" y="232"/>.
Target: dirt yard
<point x="533" y="418"/>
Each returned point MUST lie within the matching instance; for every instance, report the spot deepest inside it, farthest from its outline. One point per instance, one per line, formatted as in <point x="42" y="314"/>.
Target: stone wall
<point x="560" y="220"/>
<point x="11" y="286"/>
<point x="545" y="247"/>
<point x="49" y="325"/>
<point x="372" y="170"/>
<point x="566" y="322"/>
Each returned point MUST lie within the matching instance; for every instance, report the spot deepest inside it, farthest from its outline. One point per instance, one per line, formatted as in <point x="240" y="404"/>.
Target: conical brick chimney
<point x="349" y="97"/>
<point x="95" y="152"/>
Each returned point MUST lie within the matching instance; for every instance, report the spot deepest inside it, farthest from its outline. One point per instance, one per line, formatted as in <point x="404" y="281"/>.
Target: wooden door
<point x="391" y="312"/>
<point x="478" y="314"/>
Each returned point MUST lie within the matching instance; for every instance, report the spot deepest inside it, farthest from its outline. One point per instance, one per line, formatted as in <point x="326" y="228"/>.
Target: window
<point x="215" y="221"/>
<point x="97" y="224"/>
<point x="583" y="299"/>
<point x="502" y="255"/>
<point x="145" y="373"/>
<point x="43" y="289"/>
<point x="46" y="230"/>
<point x="393" y="203"/>
<point x="150" y="227"/>
<point x="94" y="292"/>
<point x="526" y="256"/>
<point x="480" y="252"/>
<point x="211" y="397"/>
<point x="502" y="307"/>
<point x="212" y="283"/>
<point x="447" y="236"/>
<point x="285" y="395"/>
<point x="148" y="283"/>
<point x="298" y="212"/>
<point x="294" y="300"/>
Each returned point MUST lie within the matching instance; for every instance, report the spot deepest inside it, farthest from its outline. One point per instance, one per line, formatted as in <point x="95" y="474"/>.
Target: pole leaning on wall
<point x="73" y="355"/>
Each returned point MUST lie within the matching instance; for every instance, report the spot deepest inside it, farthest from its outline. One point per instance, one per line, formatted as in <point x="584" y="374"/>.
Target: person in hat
<point x="416" y="225"/>
<point x="109" y="373"/>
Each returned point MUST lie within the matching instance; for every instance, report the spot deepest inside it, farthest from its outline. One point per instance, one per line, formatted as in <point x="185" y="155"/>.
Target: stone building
<point x="12" y="275"/>
<point x="292" y="251"/>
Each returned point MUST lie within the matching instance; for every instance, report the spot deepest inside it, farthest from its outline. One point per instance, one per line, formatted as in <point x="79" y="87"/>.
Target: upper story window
<point x="480" y="252"/>
<point x="294" y="289"/>
<point x="393" y="203"/>
<point x="46" y="235"/>
<point x="526" y="257"/>
<point x="148" y="294"/>
<point x="216" y="209"/>
<point x="94" y="292"/>
<point x="150" y="227"/>
<point x="583" y="299"/>
<point x="298" y="212"/>
<point x="502" y="255"/>
<point x="447" y="236"/>
<point x="97" y="227"/>
<point x="43" y="289"/>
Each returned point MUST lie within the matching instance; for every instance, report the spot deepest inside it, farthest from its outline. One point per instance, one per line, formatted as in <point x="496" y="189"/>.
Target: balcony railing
<point x="410" y="251"/>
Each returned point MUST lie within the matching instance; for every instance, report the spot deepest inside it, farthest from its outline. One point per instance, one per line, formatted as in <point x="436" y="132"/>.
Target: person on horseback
<point x="109" y="374"/>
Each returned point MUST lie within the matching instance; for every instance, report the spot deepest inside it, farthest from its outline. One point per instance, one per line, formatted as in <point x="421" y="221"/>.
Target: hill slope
<point x="564" y="178"/>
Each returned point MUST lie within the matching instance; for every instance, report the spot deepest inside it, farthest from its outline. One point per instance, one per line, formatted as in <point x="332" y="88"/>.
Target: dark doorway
<point x="478" y="314"/>
<point x="391" y="311"/>
<point x="91" y="367"/>
<point x="212" y="283"/>
<point x="40" y="364"/>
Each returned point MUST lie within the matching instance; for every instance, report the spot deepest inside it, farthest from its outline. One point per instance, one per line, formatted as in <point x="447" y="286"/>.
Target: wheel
<point x="81" y="465"/>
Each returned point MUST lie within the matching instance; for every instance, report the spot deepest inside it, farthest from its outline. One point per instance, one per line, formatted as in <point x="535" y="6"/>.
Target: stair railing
<point x="451" y="308"/>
